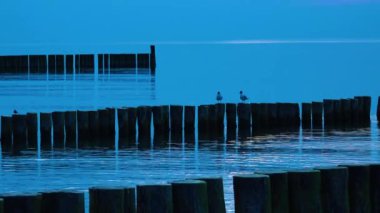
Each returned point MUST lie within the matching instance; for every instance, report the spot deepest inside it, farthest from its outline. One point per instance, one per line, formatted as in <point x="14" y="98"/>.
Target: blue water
<point x="191" y="74"/>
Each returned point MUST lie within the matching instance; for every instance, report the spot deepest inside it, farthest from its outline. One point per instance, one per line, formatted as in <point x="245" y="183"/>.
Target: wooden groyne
<point x="55" y="64"/>
<point x="343" y="188"/>
<point x="97" y="128"/>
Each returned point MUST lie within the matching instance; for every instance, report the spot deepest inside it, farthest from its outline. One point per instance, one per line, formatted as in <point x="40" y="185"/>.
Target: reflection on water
<point x="179" y="159"/>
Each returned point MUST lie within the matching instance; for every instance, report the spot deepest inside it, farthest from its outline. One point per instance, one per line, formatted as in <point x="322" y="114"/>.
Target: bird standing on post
<point x="243" y="97"/>
<point x="219" y="97"/>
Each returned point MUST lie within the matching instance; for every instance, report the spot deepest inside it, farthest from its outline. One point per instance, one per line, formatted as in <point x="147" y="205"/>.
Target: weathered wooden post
<point x="364" y="109"/>
<point x="317" y="110"/>
<point x="190" y="196"/>
<point x="19" y="133"/>
<point x="152" y="59"/>
<point x="30" y="203"/>
<point x="154" y="198"/>
<point x="62" y="202"/>
<point x="112" y="130"/>
<point x="6" y="133"/>
<point x="83" y="128"/>
<point x="104" y="123"/>
<point x="211" y="121"/>
<point x="334" y="189"/>
<point x="355" y="112"/>
<point x="130" y="200"/>
<point x="304" y="191"/>
<point x="122" y="118"/>
<point x="189" y="123"/>
<point x="32" y="126"/>
<point x="69" y="64"/>
<point x="144" y="117"/>
<point x="58" y="129"/>
<point x="273" y="116"/>
<point x="375" y="186"/>
<point x="215" y="194"/>
<point x="94" y="129"/>
<point x="378" y="109"/>
<point x="346" y="111"/>
<point x="219" y="112"/>
<point x="328" y="113"/>
<point x="45" y="130"/>
<point x="231" y="120"/>
<point x="338" y="113"/>
<point x="294" y="115"/>
<point x="306" y="115"/>
<point x="203" y="122"/>
<point x="106" y="200"/>
<point x="279" y="190"/>
<point x="131" y="124"/>
<point x="244" y="119"/>
<point x="256" y="117"/>
<point x="161" y="124"/>
<point x="252" y="193"/>
<point x="1" y="205"/>
<point x="359" y="188"/>
<point x="71" y="128"/>
<point x="176" y="119"/>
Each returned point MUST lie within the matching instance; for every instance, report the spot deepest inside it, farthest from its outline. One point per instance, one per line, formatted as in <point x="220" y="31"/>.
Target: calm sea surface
<point x="191" y="74"/>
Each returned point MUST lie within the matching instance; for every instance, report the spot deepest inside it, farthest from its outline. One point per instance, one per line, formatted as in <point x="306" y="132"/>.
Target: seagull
<point x="219" y="97"/>
<point x="15" y="111"/>
<point x="243" y="97"/>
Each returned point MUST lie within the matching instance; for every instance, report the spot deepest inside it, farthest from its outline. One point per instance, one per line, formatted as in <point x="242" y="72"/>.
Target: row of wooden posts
<point x="80" y="63"/>
<point x="345" y="188"/>
<point x="97" y="128"/>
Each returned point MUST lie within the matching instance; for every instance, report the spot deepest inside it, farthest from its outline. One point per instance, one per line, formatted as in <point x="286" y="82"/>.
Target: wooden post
<point x="244" y="119"/>
<point x="279" y="190"/>
<point x="215" y="194"/>
<point x="273" y="119"/>
<point x="122" y="118"/>
<point x="347" y="111"/>
<point x="71" y="128"/>
<point x="112" y="130"/>
<point x="359" y="188"/>
<point x="256" y="117"/>
<point x="45" y="130"/>
<point x="83" y="128"/>
<point x="69" y="64"/>
<point x="231" y="120"/>
<point x="104" y="123"/>
<point x="338" y="115"/>
<point x="94" y="129"/>
<point x="317" y="110"/>
<point x="32" y="126"/>
<point x="211" y="122"/>
<point x="190" y="196"/>
<point x="19" y="133"/>
<point x="306" y="115"/>
<point x="355" y="112"/>
<point x="1" y="205"/>
<point x="252" y="193"/>
<point x="131" y="124"/>
<point x="203" y="122"/>
<point x="328" y="109"/>
<point x="161" y="124"/>
<point x="51" y="64"/>
<point x="62" y="202"/>
<point x="220" y="111"/>
<point x="154" y="198"/>
<point x="153" y="59"/>
<point x="58" y="129"/>
<point x="364" y="109"/>
<point x="378" y="109"/>
<point x="189" y="123"/>
<point x="375" y="186"/>
<point x="334" y="189"/>
<point x="304" y="191"/>
<point x="106" y="200"/>
<point x="6" y="133"/>
<point x="130" y="200"/>
<point x="176" y="119"/>
<point x="30" y="203"/>
<point x="144" y="117"/>
<point x="60" y="66"/>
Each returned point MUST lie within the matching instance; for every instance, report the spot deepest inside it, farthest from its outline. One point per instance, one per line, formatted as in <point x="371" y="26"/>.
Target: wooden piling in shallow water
<point x="190" y="196"/>
<point x="83" y="128"/>
<point x="122" y="116"/>
<point x="347" y="112"/>
<point x="30" y="203"/>
<point x="62" y="202"/>
<point x="215" y="194"/>
<point x="189" y="123"/>
<point x="306" y="115"/>
<point x="93" y="126"/>
<point x="317" y="110"/>
<point x="161" y="123"/>
<point x="69" y="64"/>
<point x="154" y="198"/>
<point x="144" y="117"/>
<point x="51" y="64"/>
<point x="71" y="128"/>
<point x="203" y="122"/>
<point x="252" y="193"/>
<point x="106" y="200"/>
<point x="375" y="186"/>
<point x="152" y="59"/>
<point x="6" y="133"/>
<point x="219" y="112"/>
<point x="211" y="121"/>
<point x="131" y="125"/>
<point x="328" y="113"/>
<point x="378" y="109"/>
<point x="45" y="130"/>
<point x="359" y="188"/>
<point x="364" y="112"/>
<point x="176" y="119"/>
<point x="231" y="120"/>
<point x="111" y="127"/>
<point x="58" y="129"/>
<point x="32" y="126"/>
<point x="244" y="118"/>
<point x="19" y="133"/>
<point x="334" y="189"/>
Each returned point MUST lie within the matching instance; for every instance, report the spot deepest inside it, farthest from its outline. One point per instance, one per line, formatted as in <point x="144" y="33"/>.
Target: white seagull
<point x="243" y="97"/>
<point x="219" y="97"/>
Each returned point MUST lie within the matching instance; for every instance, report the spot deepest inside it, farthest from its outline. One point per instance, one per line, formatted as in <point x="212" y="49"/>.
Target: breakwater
<point x="78" y="63"/>
<point x="97" y="128"/>
<point x="342" y="188"/>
